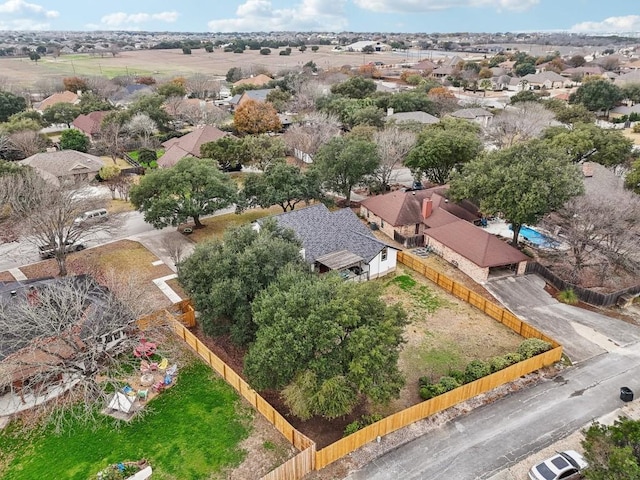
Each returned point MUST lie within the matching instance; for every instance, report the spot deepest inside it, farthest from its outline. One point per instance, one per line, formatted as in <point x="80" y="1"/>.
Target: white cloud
<point x="24" y="24"/>
<point x="260" y="16"/>
<point x="629" y="23"/>
<point x="411" y="6"/>
<point x="122" y="20"/>
<point x="20" y="7"/>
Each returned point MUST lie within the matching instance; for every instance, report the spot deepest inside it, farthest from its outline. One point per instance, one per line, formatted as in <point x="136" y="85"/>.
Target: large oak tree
<point x="523" y="183"/>
<point x="190" y="189"/>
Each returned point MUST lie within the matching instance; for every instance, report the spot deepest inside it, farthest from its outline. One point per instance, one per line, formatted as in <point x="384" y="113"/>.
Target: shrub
<point x="284" y="52"/>
<point x="532" y="347"/>
<point x="146" y="155"/>
<point x="476" y="369"/>
<point x="512" y="358"/>
<point x="568" y="296"/>
<point x="448" y="383"/>
<point x="636" y="128"/>
<point x="498" y="363"/>
<point x="424" y="381"/>
<point x="265" y="51"/>
<point x="362" y="422"/>
<point x="458" y="375"/>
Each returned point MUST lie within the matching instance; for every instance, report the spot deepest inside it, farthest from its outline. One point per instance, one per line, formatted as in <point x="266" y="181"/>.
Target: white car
<point x="566" y="465"/>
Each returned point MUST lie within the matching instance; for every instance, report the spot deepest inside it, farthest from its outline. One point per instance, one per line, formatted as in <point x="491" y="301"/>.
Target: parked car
<point x="567" y="465"/>
<point x="49" y="250"/>
<point x="92" y="216"/>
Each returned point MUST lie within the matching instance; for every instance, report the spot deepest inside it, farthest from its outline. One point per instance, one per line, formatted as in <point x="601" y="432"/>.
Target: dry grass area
<point x="444" y="333"/>
<point x="176" y="287"/>
<point x="216" y="226"/>
<point x="628" y="132"/>
<point x="171" y="63"/>
<point x="127" y="258"/>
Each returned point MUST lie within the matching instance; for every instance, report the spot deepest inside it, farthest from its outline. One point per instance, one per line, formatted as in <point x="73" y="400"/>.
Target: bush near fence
<point x="308" y="458"/>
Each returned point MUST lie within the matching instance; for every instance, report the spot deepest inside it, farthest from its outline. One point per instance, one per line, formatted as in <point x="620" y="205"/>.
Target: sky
<point x="428" y="16"/>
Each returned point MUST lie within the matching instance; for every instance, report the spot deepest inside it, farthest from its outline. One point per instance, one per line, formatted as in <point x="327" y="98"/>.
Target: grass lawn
<point x="216" y="226"/>
<point x="628" y="132"/>
<point x="192" y="431"/>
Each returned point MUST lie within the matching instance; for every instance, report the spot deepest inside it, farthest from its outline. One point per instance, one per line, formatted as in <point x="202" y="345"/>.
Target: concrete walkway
<point x="17" y="274"/>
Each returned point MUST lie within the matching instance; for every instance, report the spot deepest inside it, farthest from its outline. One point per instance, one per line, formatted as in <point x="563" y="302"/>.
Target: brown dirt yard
<point x="170" y="63"/>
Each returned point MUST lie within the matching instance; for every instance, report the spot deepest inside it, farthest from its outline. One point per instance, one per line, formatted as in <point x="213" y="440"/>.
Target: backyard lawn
<point x="216" y="226"/>
<point x="191" y="431"/>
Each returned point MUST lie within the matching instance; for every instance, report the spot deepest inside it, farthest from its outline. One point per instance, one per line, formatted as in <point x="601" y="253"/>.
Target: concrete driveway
<point x="582" y="333"/>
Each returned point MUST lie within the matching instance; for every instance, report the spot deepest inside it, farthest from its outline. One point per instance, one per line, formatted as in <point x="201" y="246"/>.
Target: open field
<point x="170" y="63"/>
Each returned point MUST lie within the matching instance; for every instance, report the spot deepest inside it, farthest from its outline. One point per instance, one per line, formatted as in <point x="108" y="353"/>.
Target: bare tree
<point x="111" y="139"/>
<point x="123" y="186"/>
<point x="308" y="136"/>
<point x="102" y="86"/>
<point x="393" y="145"/>
<point x="202" y="86"/>
<point x="595" y="237"/>
<point x="305" y="95"/>
<point x="27" y="142"/>
<point x="519" y="123"/>
<point x="174" y="244"/>
<point x="142" y="126"/>
<point x="49" y="214"/>
<point x="64" y="341"/>
<point x="47" y="86"/>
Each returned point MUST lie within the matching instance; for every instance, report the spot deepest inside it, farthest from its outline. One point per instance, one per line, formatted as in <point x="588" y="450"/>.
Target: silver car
<point x="566" y="465"/>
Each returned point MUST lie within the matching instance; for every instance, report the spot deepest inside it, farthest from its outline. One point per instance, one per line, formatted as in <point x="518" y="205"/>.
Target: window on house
<point x="384" y="254"/>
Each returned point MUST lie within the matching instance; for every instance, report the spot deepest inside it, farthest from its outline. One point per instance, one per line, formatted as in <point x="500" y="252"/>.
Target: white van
<point x="92" y="216"/>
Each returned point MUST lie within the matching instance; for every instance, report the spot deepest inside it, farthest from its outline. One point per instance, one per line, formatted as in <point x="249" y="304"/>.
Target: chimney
<point x="389" y="111"/>
<point x="426" y="207"/>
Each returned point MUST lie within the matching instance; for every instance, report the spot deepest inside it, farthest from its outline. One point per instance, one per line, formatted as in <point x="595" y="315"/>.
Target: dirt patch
<point x="128" y="258"/>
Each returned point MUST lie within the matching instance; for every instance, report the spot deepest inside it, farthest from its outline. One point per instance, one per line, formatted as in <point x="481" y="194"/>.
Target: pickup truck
<point x="49" y="250"/>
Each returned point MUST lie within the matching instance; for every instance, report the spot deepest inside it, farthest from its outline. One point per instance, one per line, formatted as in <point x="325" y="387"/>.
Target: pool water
<point x="535" y="237"/>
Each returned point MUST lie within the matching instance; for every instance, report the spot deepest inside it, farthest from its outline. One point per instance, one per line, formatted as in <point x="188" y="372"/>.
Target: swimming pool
<point x="537" y="238"/>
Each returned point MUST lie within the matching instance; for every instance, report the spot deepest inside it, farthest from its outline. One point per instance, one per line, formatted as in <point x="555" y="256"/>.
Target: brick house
<point x="426" y="218"/>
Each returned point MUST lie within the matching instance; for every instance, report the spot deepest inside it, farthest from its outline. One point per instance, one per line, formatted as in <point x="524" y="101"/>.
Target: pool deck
<point x="499" y="227"/>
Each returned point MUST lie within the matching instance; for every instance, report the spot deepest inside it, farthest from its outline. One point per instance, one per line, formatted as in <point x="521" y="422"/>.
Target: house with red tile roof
<point x="188" y="145"/>
<point x="427" y="218"/>
<point x="257" y="81"/>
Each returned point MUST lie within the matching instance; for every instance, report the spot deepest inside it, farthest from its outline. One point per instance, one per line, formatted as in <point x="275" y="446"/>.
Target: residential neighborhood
<point x="318" y="255"/>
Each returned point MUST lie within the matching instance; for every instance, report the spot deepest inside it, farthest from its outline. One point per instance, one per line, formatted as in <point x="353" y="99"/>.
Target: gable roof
<point x="471" y="113"/>
<point x="192" y="141"/>
<point x="543" y="77"/>
<point x="629" y="77"/>
<point x="172" y="156"/>
<point x="400" y="207"/>
<point x="90" y="123"/>
<point x="64" y="162"/>
<point x="258" y="80"/>
<point x="60" y="97"/>
<point x="476" y="244"/>
<point x="257" y="95"/>
<point x="323" y="233"/>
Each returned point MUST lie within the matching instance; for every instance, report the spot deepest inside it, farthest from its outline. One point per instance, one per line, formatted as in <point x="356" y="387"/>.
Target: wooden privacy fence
<point x="296" y="467"/>
<point x="584" y="294"/>
<point x="424" y="409"/>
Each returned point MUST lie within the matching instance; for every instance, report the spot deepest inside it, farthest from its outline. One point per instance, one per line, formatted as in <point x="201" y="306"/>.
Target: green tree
<point x="171" y="89"/>
<point x="329" y="342"/>
<point x="441" y="148"/>
<point x="230" y="153"/>
<point x="190" y="189"/>
<point x="223" y="277"/>
<point x="279" y="99"/>
<point x="584" y="141"/>
<point x="281" y="184"/>
<point x="265" y="51"/>
<point x="61" y="112"/>
<point x="152" y="105"/>
<point x="90" y="102"/>
<point x="343" y="162"/>
<point x="234" y="74"/>
<point x="523" y="182"/>
<point x="569" y="114"/>
<point x="525" y="69"/>
<point x="73" y="139"/>
<point x="632" y="180"/>
<point x="597" y="95"/>
<point x="263" y="150"/>
<point x="355" y="87"/>
<point x="406" y="102"/>
<point x="10" y="104"/>
<point x="577" y="61"/>
<point x="35" y="56"/>
<point x="524" y="96"/>
<point x="613" y="451"/>
<point x="631" y="91"/>
<point x="315" y="48"/>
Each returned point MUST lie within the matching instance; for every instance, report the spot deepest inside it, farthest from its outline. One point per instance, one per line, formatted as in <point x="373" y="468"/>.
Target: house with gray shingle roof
<point x="419" y="117"/>
<point x="478" y="115"/>
<point x="65" y="167"/>
<point x="339" y="241"/>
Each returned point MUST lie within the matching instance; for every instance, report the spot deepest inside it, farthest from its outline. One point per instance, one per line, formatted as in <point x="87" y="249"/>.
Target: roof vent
<point x="13" y="293"/>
